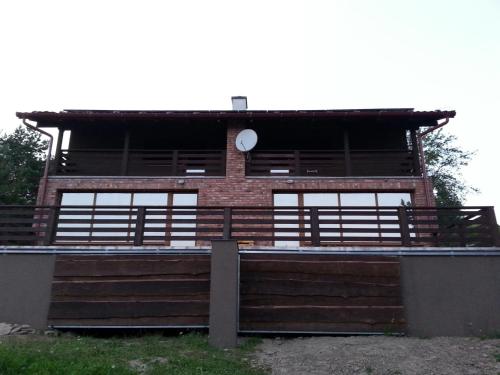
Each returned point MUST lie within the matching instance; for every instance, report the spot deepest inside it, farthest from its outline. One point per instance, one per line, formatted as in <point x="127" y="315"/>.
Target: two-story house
<point x="338" y="158"/>
<point x="325" y="206"/>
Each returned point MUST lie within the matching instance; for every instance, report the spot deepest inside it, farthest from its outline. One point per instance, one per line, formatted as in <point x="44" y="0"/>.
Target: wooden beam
<point x="347" y="154"/>
<point x="125" y="156"/>
<point x="58" y="155"/>
<point x="416" y="157"/>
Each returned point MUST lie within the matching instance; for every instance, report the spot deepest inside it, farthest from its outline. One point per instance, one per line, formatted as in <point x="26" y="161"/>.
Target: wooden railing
<point x="108" y="162"/>
<point x="332" y="163"/>
<point x="283" y="226"/>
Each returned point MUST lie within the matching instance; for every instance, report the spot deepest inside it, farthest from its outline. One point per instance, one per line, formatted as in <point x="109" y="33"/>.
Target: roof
<point x="422" y="118"/>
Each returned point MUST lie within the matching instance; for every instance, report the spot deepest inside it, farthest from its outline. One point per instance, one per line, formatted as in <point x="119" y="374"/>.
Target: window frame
<point x="127" y="240"/>
<point x="301" y="239"/>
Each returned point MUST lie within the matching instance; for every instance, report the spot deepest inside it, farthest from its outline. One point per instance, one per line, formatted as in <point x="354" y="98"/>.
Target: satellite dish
<point x="246" y="140"/>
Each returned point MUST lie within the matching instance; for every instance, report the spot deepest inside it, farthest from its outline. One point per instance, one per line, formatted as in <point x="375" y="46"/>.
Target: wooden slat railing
<point x="108" y="162"/>
<point x="331" y="163"/>
<point x="273" y="226"/>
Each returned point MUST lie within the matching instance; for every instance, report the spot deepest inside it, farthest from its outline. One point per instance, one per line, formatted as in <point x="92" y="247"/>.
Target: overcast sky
<point x="281" y="54"/>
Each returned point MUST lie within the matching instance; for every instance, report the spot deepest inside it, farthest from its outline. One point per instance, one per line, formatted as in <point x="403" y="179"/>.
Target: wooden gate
<point x="278" y="292"/>
<point x="320" y="293"/>
<point x="130" y="291"/>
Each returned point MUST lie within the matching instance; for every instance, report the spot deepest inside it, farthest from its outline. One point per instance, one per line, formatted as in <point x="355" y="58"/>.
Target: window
<point x="98" y="223"/>
<point x="374" y="224"/>
<point x="283" y="200"/>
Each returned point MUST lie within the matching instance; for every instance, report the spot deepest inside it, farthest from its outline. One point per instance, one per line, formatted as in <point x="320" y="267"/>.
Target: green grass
<point x="149" y="355"/>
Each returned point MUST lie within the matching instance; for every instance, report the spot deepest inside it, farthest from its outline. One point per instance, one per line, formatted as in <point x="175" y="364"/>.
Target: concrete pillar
<point x="25" y="288"/>
<point x="224" y="294"/>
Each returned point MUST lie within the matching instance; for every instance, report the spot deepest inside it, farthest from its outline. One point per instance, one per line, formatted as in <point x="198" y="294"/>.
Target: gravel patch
<point x="379" y="355"/>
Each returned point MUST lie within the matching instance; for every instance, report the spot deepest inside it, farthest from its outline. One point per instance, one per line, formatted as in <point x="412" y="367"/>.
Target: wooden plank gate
<point x="278" y="292"/>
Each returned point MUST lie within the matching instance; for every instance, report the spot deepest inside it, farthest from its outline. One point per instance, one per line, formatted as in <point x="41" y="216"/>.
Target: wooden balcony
<point x="110" y="162"/>
<point x="266" y="226"/>
<point x="332" y="163"/>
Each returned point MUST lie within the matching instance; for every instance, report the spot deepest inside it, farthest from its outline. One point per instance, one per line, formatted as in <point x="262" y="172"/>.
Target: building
<point x="345" y="189"/>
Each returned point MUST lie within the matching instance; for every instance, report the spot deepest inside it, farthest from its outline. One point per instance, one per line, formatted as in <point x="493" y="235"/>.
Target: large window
<point x="92" y="223"/>
<point x="373" y="221"/>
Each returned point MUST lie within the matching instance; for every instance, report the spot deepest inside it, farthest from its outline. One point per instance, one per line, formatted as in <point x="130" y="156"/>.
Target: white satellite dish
<point x="246" y="140"/>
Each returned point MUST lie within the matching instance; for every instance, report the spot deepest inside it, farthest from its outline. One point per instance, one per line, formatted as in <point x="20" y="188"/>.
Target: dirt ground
<point x="380" y="355"/>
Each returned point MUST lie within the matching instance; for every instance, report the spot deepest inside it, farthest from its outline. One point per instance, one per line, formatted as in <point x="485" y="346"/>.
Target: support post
<point x="139" y="226"/>
<point x="461" y="234"/>
<point x="51" y="226"/>
<point x="297" y="164"/>
<point x="416" y="156"/>
<point x="347" y="154"/>
<point x="175" y="161"/>
<point x="226" y="235"/>
<point x="58" y="156"/>
<point x="315" y="233"/>
<point x="224" y="294"/>
<point x="492" y="221"/>
<point x="403" y="226"/>
<point x="125" y="156"/>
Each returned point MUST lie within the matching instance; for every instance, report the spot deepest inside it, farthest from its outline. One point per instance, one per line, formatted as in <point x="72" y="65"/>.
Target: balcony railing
<point x="103" y="162"/>
<point x="283" y="226"/>
<point x="328" y="163"/>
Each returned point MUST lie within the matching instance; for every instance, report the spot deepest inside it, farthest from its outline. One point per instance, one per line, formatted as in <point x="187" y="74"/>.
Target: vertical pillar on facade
<point x="224" y="294"/>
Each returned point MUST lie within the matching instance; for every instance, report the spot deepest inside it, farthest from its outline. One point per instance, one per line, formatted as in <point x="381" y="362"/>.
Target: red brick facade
<point x="235" y="189"/>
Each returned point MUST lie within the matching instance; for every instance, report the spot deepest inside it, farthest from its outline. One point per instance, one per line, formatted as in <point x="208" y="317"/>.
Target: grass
<point x="148" y="355"/>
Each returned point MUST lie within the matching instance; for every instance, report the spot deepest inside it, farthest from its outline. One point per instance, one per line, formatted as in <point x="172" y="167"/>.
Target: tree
<point x="444" y="161"/>
<point x="22" y="159"/>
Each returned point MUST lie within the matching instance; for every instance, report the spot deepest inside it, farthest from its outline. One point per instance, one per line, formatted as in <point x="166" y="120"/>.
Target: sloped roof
<point x="422" y="118"/>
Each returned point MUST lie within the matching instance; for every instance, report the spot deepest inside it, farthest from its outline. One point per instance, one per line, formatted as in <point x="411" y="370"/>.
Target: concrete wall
<point x="451" y="296"/>
<point x="25" y="287"/>
<point x="442" y="295"/>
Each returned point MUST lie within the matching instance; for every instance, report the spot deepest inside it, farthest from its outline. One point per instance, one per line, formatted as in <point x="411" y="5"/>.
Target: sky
<point x="290" y="54"/>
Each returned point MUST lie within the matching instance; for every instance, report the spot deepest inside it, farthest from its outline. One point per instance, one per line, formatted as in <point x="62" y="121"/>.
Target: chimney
<point x="239" y="103"/>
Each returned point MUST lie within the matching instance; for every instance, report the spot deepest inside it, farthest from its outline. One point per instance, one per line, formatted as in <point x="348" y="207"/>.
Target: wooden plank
<point x="172" y="287"/>
<point x="325" y="277"/>
<point x="112" y="309"/>
<point x="333" y="327"/>
<point x="135" y="321"/>
<point x="202" y="296"/>
<point x="130" y="266"/>
<point x="316" y="314"/>
<point x="319" y="288"/>
<point x="262" y="299"/>
<point x="322" y="267"/>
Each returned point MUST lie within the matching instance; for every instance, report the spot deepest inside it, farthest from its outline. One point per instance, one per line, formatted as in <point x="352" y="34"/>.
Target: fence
<point x="272" y="226"/>
<point x="96" y="162"/>
<point x="325" y="163"/>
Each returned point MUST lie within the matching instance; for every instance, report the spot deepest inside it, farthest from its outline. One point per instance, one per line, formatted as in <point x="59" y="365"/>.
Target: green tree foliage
<point x="444" y="162"/>
<point x="22" y="159"/>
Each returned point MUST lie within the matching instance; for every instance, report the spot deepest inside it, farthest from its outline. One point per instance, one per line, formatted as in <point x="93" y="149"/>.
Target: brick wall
<point x="235" y="188"/>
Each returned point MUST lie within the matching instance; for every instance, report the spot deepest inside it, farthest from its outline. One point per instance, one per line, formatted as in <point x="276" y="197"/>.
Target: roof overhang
<point x="68" y="117"/>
